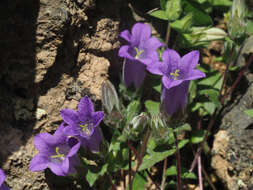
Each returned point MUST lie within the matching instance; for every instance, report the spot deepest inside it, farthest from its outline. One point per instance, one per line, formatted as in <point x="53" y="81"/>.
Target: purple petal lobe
<point x="39" y="162"/>
<point x="74" y="148"/>
<point x="195" y="74"/>
<point x="169" y="83"/>
<point x="153" y="43"/>
<point x="97" y="117"/>
<point x="156" y="68"/>
<point x="70" y="116"/>
<point x="124" y="52"/>
<point x="4" y="187"/>
<point x="40" y="142"/>
<point x="190" y="60"/>
<point x="57" y="169"/>
<point x="85" y="108"/>
<point x="2" y="177"/>
<point x="125" y="35"/>
<point x="140" y="33"/>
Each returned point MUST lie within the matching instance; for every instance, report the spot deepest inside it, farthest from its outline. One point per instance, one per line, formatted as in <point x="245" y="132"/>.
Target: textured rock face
<point x="53" y="52"/>
<point x="232" y="149"/>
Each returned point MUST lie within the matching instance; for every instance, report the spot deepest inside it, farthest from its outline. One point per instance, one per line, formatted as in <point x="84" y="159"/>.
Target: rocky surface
<point x="53" y="52"/>
<point x="233" y="145"/>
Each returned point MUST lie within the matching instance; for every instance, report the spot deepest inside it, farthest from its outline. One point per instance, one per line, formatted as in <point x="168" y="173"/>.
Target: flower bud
<point x="110" y="98"/>
<point x="237" y="25"/>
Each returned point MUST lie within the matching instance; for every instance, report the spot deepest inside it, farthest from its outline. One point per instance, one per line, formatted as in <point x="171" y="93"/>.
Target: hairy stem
<point x="164" y="172"/>
<point x="167" y="38"/>
<point x="178" y="163"/>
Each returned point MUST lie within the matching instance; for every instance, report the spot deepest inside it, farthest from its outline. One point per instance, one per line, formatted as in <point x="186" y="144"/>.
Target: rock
<point x="52" y="54"/>
<point x="232" y="148"/>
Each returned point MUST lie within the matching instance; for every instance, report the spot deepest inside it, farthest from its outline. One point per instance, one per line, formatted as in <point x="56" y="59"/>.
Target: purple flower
<point x="2" y="178"/>
<point x="176" y="74"/>
<point x="141" y="50"/>
<point x="57" y="152"/>
<point x="83" y="123"/>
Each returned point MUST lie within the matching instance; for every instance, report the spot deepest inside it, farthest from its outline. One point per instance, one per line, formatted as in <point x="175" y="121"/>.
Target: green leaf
<point x="158" y="88"/>
<point x="226" y="3"/>
<point x="200" y="18"/>
<point x="249" y="112"/>
<point x="183" y="25"/>
<point x="185" y="174"/>
<point x="159" y="14"/>
<point x="139" y="182"/>
<point x="185" y="127"/>
<point x="250" y="27"/>
<point x="94" y="172"/>
<point x="163" y="4"/>
<point x="197" y="136"/>
<point x="173" y="9"/>
<point x="209" y="107"/>
<point x="152" y="107"/>
<point x="132" y="110"/>
<point x="213" y="79"/>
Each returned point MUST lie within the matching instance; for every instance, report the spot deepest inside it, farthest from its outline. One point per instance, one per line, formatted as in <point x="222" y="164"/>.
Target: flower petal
<point x="97" y="117"/>
<point x="70" y="117"/>
<point x="65" y="165"/>
<point x="195" y="74"/>
<point x="4" y="187"/>
<point x="152" y="44"/>
<point x="175" y="98"/>
<point x="2" y="177"/>
<point x="94" y="141"/>
<point x="57" y="169"/>
<point x="171" y="58"/>
<point x="71" y="131"/>
<point x="125" y="35"/>
<point x="39" y="162"/>
<point x="134" y="72"/>
<point x="74" y="149"/>
<point x="124" y="52"/>
<point x="190" y="60"/>
<point x="156" y="68"/>
<point x="85" y="108"/>
<point x="73" y="161"/>
<point x="140" y="34"/>
<point x="42" y="142"/>
<point x="169" y="83"/>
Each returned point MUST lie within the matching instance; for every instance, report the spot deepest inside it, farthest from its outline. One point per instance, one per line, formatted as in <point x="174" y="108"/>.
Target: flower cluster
<point x="59" y="151"/>
<point x="141" y="55"/>
<point x="2" y="178"/>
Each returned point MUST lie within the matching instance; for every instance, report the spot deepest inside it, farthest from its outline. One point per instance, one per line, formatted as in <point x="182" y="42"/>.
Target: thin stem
<point x="129" y="169"/>
<point x="112" y="184"/>
<point x="200" y="174"/>
<point x="178" y="163"/>
<point x="208" y="179"/>
<point x="225" y="74"/>
<point x="238" y="79"/>
<point x="209" y="127"/>
<point x="164" y="172"/>
<point x="150" y="176"/>
<point x="167" y="38"/>
<point x="142" y="152"/>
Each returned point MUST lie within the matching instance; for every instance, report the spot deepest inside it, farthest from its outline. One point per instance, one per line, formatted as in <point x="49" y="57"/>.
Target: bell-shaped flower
<point x="83" y="123"/>
<point x="140" y="51"/>
<point x="2" y="178"/>
<point x="176" y="74"/>
<point x="57" y="152"/>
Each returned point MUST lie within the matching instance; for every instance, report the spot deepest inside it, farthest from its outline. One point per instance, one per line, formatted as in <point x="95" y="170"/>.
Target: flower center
<point x="58" y="154"/>
<point x="138" y="52"/>
<point x="86" y="128"/>
<point x="175" y="75"/>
